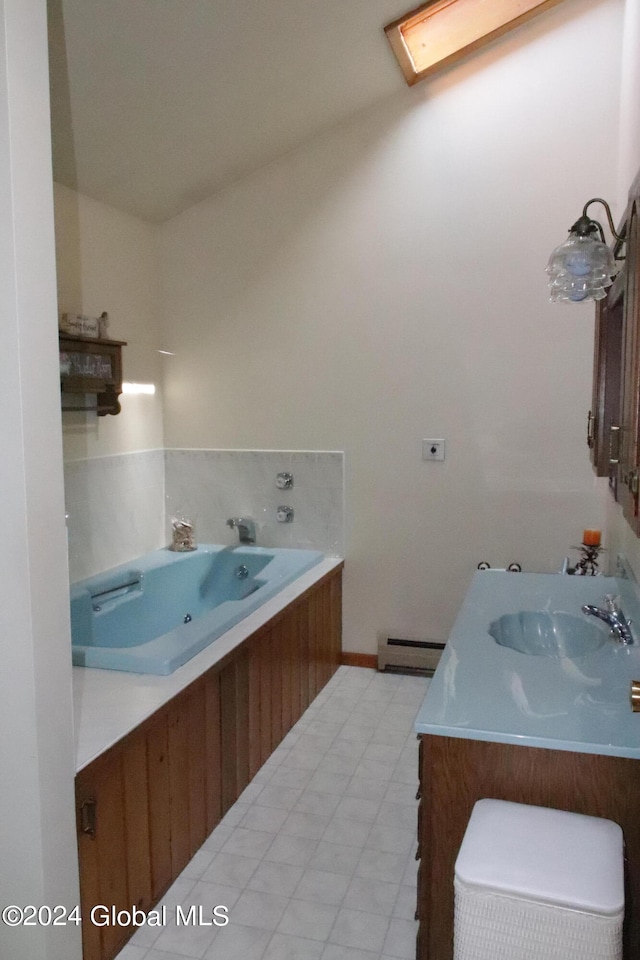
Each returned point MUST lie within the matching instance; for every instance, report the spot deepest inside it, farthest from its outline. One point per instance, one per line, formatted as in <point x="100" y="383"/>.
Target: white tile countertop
<point x="485" y="691"/>
<point x="108" y="704"/>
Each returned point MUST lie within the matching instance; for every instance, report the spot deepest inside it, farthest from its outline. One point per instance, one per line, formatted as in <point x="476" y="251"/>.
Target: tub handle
<point x="119" y="586"/>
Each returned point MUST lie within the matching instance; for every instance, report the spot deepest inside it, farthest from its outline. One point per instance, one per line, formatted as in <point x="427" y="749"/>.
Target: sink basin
<point x="541" y="634"/>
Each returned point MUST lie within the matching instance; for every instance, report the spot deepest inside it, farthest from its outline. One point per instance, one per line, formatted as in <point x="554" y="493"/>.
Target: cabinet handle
<point x="614" y="444"/>
<point x="88" y="817"/>
<point x="591" y="420"/>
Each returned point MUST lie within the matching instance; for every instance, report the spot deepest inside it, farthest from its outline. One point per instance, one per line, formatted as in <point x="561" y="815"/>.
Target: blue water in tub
<point x="154" y="614"/>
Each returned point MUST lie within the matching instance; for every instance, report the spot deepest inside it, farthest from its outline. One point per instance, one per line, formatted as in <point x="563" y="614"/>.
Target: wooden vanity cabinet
<point x="147" y="804"/>
<point x="456" y="772"/>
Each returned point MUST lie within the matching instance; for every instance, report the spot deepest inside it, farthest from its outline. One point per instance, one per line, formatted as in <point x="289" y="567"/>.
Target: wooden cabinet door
<point x="124" y="833"/>
<point x="630" y="446"/>
<point x="457" y="772"/>
<point x="102" y="851"/>
<point x="604" y="425"/>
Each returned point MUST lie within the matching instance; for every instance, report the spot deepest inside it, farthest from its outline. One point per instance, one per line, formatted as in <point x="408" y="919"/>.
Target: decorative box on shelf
<point x="91" y="365"/>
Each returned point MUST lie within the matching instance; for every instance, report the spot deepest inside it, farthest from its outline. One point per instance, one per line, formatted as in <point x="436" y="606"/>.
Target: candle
<point x="591" y="538"/>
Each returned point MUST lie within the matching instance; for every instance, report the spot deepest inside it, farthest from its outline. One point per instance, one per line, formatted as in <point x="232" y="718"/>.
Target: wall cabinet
<point x="613" y="432"/>
<point x="146" y="805"/>
<point x="604" y="420"/>
<point x="630" y="421"/>
<point x="91" y="365"/>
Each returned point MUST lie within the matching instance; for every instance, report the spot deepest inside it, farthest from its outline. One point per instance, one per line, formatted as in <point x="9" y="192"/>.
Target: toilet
<point x="532" y="883"/>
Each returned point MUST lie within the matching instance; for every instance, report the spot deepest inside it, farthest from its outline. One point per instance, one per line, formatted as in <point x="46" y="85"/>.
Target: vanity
<point x="530" y="725"/>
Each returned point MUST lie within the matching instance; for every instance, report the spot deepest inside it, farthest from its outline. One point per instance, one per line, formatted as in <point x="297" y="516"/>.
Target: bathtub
<point x="155" y="613"/>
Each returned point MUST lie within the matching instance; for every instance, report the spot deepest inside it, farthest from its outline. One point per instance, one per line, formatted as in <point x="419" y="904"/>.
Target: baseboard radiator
<point x="397" y="655"/>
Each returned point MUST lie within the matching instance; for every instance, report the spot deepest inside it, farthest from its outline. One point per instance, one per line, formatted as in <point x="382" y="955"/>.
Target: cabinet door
<point x="604" y="426"/>
<point x="91" y="365"/>
<point x="630" y="446"/>
<point x="102" y="852"/>
<point x="124" y="838"/>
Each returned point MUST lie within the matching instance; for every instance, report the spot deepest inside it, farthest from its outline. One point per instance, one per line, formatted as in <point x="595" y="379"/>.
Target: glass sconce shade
<point x="581" y="268"/>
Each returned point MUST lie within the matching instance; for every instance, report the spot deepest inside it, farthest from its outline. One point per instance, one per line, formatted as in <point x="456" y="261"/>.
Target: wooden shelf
<point x="91" y="365"/>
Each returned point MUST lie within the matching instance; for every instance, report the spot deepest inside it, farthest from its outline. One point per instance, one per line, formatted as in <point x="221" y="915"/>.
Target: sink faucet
<point x="614" y="618"/>
<point x="246" y="528"/>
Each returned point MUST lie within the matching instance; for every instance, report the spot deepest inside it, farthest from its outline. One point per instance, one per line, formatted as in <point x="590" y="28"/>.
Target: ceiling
<point x="157" y="104"/>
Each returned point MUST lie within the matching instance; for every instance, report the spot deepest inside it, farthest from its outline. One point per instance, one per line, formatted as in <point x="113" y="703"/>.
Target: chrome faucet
<point x="612" y="615"/>
<point x="246" y="528"/>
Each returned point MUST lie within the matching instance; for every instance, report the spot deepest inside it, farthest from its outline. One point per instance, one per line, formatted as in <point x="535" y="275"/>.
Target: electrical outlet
<point x="433" y="449"/>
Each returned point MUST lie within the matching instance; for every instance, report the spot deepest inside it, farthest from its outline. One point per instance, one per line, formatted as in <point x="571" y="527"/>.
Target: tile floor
<point x="316" y="860"/>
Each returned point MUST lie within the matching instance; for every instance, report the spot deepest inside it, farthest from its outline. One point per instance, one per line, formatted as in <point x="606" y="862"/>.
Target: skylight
<point x="442" y="31"/>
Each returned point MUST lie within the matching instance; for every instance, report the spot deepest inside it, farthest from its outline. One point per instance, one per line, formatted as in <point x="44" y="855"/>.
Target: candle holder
<point x="587" y="565"/>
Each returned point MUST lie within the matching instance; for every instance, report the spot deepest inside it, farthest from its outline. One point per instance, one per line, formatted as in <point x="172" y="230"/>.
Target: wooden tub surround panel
<point x="147" y="804"/>
<point x="456" y="772"/>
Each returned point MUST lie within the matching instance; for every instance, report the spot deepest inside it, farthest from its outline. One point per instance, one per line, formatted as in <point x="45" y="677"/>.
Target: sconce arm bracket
<point x="585" y="225"/>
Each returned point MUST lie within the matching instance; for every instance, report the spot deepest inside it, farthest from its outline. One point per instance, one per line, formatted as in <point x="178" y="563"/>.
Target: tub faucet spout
<point x="246" y="528"/>
<point x="614" y="618"/>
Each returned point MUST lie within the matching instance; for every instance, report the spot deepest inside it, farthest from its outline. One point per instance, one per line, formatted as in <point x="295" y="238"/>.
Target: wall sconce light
<point x="583" y="266"/>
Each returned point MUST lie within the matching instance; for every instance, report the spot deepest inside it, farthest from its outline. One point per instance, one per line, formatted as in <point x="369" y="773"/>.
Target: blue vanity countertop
<point x="484" y="691"/>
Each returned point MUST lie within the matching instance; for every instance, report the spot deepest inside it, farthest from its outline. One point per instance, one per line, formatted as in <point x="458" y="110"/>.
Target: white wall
<point x="108" y="260"/>
<point x="629" y="142"/>
<point x="115" y="507"/>
<point x="114" y="465"/>
<point x="384" y="284"/>
<point x="37" y="823"/>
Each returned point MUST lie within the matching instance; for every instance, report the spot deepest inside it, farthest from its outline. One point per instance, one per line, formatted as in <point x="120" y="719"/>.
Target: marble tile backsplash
<point x="212" y="485"/>
<point x="115" y="509"/>
<point x="119" y="507"/>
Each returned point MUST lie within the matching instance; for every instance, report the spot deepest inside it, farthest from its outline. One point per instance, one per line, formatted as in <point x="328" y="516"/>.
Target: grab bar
<point x="117" y="588"/>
